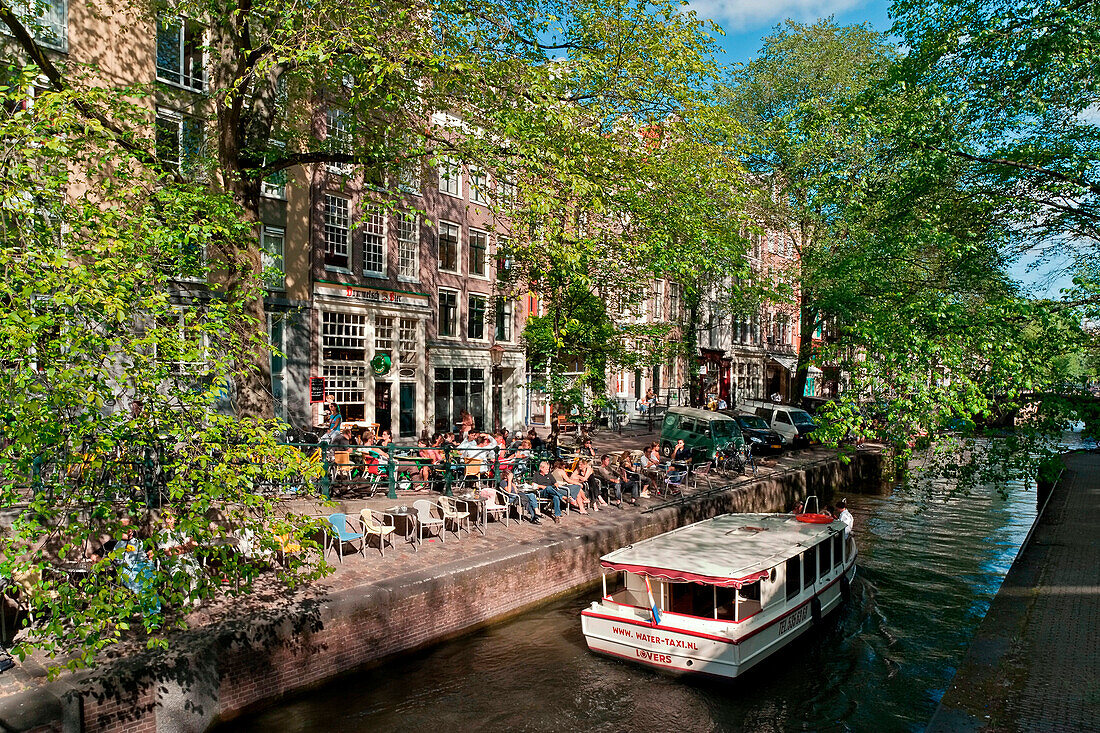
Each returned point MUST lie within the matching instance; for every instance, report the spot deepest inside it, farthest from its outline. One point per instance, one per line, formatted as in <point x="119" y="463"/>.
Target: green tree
<point x="530" y="88"/>
<point x="110" y="422"/>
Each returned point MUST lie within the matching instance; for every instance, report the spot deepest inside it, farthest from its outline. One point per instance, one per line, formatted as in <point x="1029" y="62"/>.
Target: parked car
<point x="703" y="432"/>
<point x="793" y="424"/>
<point x="757" y="432"/>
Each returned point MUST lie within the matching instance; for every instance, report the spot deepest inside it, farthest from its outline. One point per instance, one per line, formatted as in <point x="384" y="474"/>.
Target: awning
<point x="684" y="576"/>
<point x="813" y="371"/>
<point x="787" y="362"/>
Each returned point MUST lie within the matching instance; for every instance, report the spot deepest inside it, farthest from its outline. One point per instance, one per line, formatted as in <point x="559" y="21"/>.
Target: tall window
<point x="277" y="337"/>
<point x="406" y="340"/>
<point x="504" y="262"/>
<point x="479" y="187"/>
<point x="338" y="138"/>
<point x="504" y="319"/>
<point x="179" y="141"/>
<point x="46" y="20"/>
<point x="343" y="352"/>
<point x="374" y="241"/>
<point x="180" y="52"/>
<point x="448" y="246"/>
<point x="458" y="389"/>
<point x="479" y="247"/>
<point x="659" y="300"/>
<point x="408" y="246"/>
<point x="475" y="317"/>
<point x="507" y="193"/>
<point x="337" y="220"/>
<point x="271" y="246"/>
<point x="450" y="177"/>
<point x="274" y="186"/>
<point x="383" y="336"/>
<point x="448" y="313"/>
<point x="408" y="176"/>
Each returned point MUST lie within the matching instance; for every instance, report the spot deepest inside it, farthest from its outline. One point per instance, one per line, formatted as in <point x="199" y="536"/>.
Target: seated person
<point x="571" y="483"/>
<point x="520" y="496"/>
<point x="634" y="477"/>
<point x="680" y="456"/>
<point x="548" y="488"/>
<point x="586" y="448"/>
<point x="585" y="474"/>
<point x="612" y="478"/>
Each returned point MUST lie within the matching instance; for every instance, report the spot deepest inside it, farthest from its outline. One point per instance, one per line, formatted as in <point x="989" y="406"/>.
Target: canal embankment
<point x="274" y="643"/>
<point x="1034" y="663"/>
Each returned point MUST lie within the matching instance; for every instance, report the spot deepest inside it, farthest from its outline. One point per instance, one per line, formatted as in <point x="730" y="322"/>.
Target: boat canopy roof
<point x="731" y="550"/>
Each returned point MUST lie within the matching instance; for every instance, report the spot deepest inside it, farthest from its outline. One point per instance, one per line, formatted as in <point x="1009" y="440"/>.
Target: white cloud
<point x="742" y="15"/>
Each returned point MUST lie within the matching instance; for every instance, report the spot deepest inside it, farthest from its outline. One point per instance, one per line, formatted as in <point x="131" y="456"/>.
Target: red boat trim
<point x="667" y="574"/>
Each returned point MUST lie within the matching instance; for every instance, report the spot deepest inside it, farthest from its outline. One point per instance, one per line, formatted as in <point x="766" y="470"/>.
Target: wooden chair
<point x="473" y="472"/>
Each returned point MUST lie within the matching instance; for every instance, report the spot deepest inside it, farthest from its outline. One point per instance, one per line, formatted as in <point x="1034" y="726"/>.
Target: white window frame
<point x="408" y="353"/>
<point x="186" y="77"/>
<point x="506" y="317"/>
<point x="54" y="21"/>
<point x="458" y="314"/>
<point x="337" y="225"/>
<point x="458" y="246"/>
<point x="408" y="250"/>
<point x="374" y="225"/>
<point x="484" y="236"/>
<point x="450" y="177"/>
<point x="273" y="260"/>
<point x="484" y="317"/>
<point x="180" y="121"/>
<point x="339" y="132"/>
<point x="479" y="187"/>
<point x="271" y="189"/>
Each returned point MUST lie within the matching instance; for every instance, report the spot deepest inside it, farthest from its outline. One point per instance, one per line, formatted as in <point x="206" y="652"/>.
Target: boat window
<point x="748" y="600"/>
<point x="726" y="600"/>
<point x="691" y="599"/>
<point x="838" y="549"/>
<point x="794" y="576"/>
<point x="811" y="566"/>
<point x="824" y="557"/>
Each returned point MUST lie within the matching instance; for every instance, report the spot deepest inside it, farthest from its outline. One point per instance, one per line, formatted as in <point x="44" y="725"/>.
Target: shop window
<point x="458" y="389"/>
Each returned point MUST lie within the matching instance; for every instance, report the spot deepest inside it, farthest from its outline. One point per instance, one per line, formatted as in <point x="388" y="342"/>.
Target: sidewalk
<point x="1034" y="664"/>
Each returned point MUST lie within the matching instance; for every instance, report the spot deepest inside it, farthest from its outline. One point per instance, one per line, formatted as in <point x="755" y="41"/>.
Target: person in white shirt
<point x="846" y="517"/>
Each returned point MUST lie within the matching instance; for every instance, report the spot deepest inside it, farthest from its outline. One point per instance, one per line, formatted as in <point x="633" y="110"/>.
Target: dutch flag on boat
<point x="652" y="605"/>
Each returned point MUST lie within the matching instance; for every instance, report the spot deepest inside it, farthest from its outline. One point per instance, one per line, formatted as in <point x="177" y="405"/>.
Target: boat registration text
<point x="794" y="619"/>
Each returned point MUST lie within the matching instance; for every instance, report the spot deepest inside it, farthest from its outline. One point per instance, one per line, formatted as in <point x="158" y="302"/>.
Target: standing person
<point x="466" y="420"/>
<point x="333" y="420"/>
<point x="846" y="517"/>
<point x="548" y="488"/>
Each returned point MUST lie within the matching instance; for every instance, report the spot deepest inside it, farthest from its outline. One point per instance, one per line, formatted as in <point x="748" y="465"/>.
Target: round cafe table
<point x="408" y="517"/>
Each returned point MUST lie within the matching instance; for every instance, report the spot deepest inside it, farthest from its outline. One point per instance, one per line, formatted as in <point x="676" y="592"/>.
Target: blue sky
<point x="746" y="22"/>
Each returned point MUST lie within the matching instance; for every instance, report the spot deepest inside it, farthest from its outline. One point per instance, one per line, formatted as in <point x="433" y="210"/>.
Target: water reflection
<point x="927" y="573"/>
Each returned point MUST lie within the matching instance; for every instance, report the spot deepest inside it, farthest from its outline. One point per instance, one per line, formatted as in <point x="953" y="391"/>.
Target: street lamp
<point x="496" y="355"/>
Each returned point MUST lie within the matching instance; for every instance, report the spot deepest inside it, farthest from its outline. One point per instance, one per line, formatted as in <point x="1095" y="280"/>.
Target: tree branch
<point x="39" y="58"/>
<point x="1057" y="175"/>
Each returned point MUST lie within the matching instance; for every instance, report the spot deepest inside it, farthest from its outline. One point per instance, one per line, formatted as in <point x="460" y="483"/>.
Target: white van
<point x="793" y="424"/>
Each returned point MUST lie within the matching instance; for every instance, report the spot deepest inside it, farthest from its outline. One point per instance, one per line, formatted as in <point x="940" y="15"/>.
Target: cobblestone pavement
<point x="1034" y="664"/>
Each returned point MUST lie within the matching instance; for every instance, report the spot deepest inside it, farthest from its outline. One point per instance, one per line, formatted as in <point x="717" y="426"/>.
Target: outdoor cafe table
<point x="409" y="516"/>
<point x="479" y="509"/>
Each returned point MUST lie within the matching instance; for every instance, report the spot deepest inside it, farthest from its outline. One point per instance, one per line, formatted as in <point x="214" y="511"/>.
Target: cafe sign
<point x="374" y="295"/>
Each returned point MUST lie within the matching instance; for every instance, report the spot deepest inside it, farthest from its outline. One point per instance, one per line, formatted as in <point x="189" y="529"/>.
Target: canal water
<point x="927" y="573"/>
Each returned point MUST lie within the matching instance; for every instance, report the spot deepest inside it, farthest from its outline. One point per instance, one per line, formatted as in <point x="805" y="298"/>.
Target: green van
<point x="703" y="432"/>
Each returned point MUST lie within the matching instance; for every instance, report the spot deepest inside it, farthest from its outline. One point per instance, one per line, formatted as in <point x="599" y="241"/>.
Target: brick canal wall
<point x="218" y="672"/>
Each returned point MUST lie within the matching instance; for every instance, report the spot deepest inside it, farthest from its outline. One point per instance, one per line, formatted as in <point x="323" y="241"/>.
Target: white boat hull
<point x="688" y="644"/>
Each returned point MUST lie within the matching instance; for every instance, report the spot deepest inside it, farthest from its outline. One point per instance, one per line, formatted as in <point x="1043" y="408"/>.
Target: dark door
<point x="407" y="408"/>
<point x="382" y="406"/>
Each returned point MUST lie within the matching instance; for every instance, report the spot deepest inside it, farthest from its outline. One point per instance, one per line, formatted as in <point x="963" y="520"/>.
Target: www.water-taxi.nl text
<point x="652" y="639"/>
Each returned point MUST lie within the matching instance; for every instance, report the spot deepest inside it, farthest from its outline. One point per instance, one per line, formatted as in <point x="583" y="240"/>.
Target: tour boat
<point x="719" y="596"/>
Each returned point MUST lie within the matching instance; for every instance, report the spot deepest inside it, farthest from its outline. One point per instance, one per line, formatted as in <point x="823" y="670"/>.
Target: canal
<point x="927" y="573"/>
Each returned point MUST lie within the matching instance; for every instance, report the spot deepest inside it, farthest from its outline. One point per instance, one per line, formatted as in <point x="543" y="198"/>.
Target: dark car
<point x="757" y="433"/>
